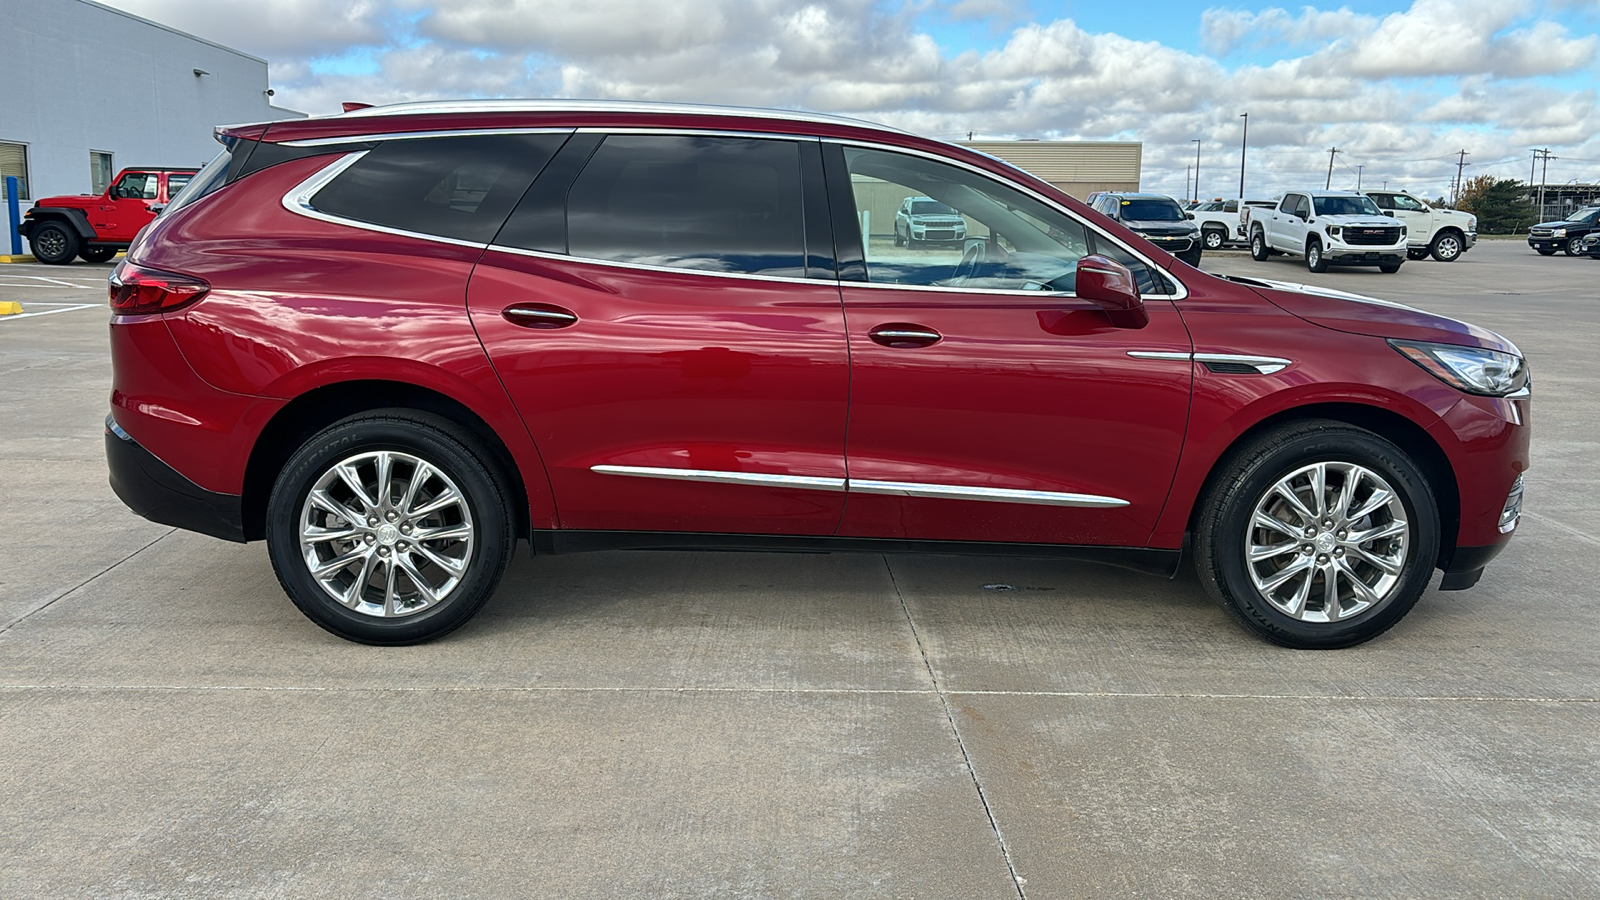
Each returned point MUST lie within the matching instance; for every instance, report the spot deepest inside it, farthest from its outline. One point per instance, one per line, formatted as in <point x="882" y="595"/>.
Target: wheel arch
<point x="316" y="409"/>
<point x="1389" y="425"/>
<point x="77" y="218"/>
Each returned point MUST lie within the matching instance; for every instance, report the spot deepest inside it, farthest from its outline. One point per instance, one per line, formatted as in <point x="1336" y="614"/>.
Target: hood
<point x="1357" y="314"/>
<point x="1559" y="224"/>
<point x="78" y="201"/>
<point x="1154" y="227"/>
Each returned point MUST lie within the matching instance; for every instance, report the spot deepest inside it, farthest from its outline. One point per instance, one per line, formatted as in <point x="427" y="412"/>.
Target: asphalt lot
<point x="780" y="725"/>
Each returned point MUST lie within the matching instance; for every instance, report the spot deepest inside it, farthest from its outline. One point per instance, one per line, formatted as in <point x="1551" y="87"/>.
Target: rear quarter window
<point x="460" y="188"/>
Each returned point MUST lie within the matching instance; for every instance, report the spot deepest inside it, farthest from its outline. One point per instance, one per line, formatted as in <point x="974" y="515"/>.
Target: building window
<point x="100" y="171"/>
<point x="14" y="161"/>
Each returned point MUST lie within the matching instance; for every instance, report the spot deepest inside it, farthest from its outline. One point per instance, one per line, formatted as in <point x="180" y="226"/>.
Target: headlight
<point x="1333" y="231"/>
<point x="1470" y="369"/>
<point x="1559" y="232"/>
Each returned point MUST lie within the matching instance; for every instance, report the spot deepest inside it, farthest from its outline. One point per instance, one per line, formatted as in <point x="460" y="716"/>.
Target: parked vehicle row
<point x="392" y="343"/>
<point x="59" y="229"/>
<point x="1329" y="228"/>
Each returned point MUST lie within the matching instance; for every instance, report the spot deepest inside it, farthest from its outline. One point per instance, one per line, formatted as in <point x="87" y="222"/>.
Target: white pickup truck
<point x="1221" y="221"/>
<point x="1444" y="233"/>
<point x="1339" y="228"/>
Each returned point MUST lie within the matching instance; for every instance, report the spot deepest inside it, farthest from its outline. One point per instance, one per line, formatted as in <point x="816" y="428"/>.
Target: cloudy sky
<point x="1399" y="86"/>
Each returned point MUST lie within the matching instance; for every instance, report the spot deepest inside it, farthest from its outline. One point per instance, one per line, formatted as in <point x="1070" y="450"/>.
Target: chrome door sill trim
<point x="717" y="477"/>
<point x="993" y="495"/>
<point x="890" y="488"/>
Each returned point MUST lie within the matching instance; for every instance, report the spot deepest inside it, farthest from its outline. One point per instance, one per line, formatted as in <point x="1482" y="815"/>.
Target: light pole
<point x="1244" y="141"/>
<point x="1196" y="143"/>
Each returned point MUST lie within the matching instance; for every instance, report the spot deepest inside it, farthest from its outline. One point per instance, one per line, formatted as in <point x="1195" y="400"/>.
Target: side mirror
<point x="1387" y="212"/>
<point x="1189" y="216"/>
<point x="1109" y="285"/>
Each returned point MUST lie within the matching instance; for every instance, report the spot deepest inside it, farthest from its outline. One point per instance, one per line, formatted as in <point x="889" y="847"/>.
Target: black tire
<point x="1248" y="476"/>
<point x="96" y="254"/>
<point x="458" y="462"/>
<point x="1389" y="268"/>
<point x="1214" y="238"/>
<point x="1572" y="246"/>
<point x="898" y="240"/>
<point x="54" y="242"/>
<point x="1258" y="246"/>
<point x="1544" y="252"/>
<point x="1416" y="254"/>
<point x="1447" y="246"/>
<point x="1316" y="261"/>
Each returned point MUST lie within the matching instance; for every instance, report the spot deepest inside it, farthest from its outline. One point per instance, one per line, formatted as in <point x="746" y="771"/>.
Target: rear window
<point x="209" y="179"/>
<point x="453" y="187"/>
<point x="176" y="182"/>
<point x="714" y="204"/>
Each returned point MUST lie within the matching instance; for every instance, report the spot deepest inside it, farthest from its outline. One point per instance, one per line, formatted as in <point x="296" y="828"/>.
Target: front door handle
<point x="543" y="316"/>
<point x="903" y="336"/>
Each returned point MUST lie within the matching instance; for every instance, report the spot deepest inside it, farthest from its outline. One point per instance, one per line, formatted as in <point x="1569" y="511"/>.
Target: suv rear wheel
<point x="53" y="243"/>
<point x="1318" y="535"/>
<point x="1214" y="238"/>
<point x="1258" y="246"/>
<point x="388" y="528"/>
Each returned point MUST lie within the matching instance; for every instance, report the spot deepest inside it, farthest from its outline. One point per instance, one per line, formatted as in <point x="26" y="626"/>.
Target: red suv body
<point x="394" y="341"/>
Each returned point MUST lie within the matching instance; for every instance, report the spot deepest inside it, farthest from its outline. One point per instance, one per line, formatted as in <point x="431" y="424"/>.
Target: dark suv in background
<point x="1157" y="218"/>
<point x="1566" y="235"/>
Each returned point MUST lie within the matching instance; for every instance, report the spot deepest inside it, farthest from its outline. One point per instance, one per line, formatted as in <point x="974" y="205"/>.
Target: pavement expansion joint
<point x="80" y="585"/>
<point x="1017" y="881"/>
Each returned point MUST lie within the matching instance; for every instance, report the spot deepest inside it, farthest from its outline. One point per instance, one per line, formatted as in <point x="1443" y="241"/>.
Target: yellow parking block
<point x="10" y="308"/>
<point x="17" y="257"/>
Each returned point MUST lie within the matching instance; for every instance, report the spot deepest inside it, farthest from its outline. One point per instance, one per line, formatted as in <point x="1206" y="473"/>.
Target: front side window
<point x="453" y="187"/>
<point x="1409" y="204"/>
<point x="1009" y="241"/>
<point x="136" y="186"/>
<point x="1346" y="206"/>
<point x="714" y="204"/>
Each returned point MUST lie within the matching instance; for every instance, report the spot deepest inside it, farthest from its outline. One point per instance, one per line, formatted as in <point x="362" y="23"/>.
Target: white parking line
<point x="73" y="307"/>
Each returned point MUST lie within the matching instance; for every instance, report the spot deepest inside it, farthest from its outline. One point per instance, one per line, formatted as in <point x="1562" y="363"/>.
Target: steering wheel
<point x="971" y="259"/>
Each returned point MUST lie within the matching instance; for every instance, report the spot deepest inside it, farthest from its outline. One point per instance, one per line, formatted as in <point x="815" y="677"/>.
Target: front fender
<point x="77" y="218"/>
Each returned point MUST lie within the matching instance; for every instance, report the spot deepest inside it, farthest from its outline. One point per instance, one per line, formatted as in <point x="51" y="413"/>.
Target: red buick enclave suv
<point x="395" y="341"/>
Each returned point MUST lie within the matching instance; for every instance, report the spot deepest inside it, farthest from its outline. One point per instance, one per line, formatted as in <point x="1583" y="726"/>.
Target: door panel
<point x="1018" y="395"/>
<point x="692" y="374"/>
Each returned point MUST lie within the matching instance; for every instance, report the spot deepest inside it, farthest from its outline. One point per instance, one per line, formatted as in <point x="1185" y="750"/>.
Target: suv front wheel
<point x="1318" y="535"/>
<point x="389" y="528"/>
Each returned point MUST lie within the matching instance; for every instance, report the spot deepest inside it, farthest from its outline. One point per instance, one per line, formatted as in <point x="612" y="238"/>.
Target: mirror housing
<point x="1109" y="285"/>
<point x="1189" y="216"/>
<point x="1387" y="212"/>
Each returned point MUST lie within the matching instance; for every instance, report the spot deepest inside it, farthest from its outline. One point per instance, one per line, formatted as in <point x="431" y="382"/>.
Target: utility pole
<point x="1544" y="175"/>
<point x="1331" y="152"/>
<point x="1460" y="165"/>
<point x="1244" y="142"/>
<point x="1186" y="181"/>
<point x="1196" y="143"/>
<point x="1359" y="170"/>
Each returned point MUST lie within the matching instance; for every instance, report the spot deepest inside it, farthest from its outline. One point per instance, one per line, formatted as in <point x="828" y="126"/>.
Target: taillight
<point x="136" y="290"/>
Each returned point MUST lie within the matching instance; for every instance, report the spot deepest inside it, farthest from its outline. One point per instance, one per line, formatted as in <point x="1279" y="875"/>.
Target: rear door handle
<point x="539" y="315"/>
<point x="903" y="336"/>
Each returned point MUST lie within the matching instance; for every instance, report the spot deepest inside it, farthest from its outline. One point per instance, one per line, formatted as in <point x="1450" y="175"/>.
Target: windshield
<point x="1587" y="212"/>
<point x="1346" y="206"/>
<point x="930" y="208"/>
<point x="1151" y="211"/>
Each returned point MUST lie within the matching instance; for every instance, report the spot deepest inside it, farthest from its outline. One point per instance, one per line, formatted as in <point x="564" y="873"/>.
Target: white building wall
<point x="77" y="76"/>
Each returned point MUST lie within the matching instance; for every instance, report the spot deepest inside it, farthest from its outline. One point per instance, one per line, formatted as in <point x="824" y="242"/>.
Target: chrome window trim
<point x="1265" y="365"/>
<point x="852" y="485"/>
<point x="298" y="201"/>
<point x="1182" y="289"/>
<point x="668" y="131"/>
<point x="713" y="476"/>
<point x="420" y="135"/>
<point x="568" y="257"/>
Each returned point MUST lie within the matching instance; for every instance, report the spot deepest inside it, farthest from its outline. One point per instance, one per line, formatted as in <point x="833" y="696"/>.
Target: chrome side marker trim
<point x="1264" y="365"/>
<point x="892" y="488"/>
<point x="715" y="477"/>
<point x="994" y="495"/>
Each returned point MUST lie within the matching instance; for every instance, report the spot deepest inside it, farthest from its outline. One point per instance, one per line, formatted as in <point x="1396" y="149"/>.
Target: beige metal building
<point x="1077" y="167"/>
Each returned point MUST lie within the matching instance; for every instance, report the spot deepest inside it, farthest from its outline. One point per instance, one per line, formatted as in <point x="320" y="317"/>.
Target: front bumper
<point x="1548" y="243"/>
<point x="1345" y="255"/>
<point x="156" y="491"/>
<point x="1174" y="244"/>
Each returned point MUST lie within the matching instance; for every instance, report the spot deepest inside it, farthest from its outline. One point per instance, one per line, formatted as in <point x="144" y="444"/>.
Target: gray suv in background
<point x="1155" y="217"/>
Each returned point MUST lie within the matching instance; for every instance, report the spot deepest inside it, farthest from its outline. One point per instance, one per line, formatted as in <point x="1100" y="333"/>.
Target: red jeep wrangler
<point x="95" y="228"/>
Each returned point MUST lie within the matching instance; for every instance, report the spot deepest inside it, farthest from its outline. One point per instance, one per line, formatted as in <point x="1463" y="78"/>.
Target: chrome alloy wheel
<point x="1327" y="542"/>
<point x="386" y="534"/>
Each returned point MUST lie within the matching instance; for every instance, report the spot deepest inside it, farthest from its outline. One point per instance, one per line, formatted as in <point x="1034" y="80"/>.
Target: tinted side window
<point x="714" y="204"/>
<point x="1384" y="201"/>
<point x="454" y="187"/>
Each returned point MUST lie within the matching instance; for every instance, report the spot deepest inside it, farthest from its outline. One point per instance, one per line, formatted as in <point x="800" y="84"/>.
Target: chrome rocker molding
<point x="1264" y="365"/>
<point x="890" y="488"/>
